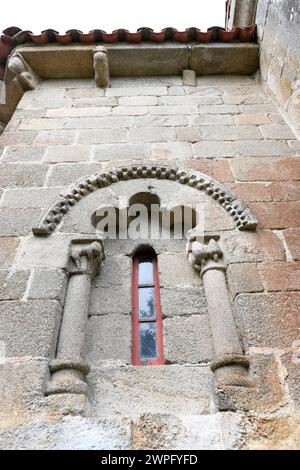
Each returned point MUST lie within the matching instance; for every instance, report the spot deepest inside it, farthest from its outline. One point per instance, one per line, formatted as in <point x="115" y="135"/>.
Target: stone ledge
<point x="125" y="60"/>
<point x="75" y="61"/>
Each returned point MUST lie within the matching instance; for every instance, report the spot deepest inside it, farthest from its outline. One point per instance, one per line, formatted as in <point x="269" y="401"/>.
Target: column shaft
<point x="74" y="317"/>
<point x="224" y="330"/>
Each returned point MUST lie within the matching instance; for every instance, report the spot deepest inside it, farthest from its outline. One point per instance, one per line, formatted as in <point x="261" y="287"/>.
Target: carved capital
<point x="25" y="78"/>
<point x="86" y="258"/>
<point x="101" y="66"/>
<point x="204" y="257"/>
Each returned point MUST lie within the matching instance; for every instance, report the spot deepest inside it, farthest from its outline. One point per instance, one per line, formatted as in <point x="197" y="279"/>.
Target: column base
<point x="68" y="376"/>
<point x="232" y="381"/>
<point x="232" y="370"/>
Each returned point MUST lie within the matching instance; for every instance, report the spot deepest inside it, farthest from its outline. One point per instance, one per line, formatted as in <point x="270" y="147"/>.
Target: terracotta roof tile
<point x="13" y="36"/>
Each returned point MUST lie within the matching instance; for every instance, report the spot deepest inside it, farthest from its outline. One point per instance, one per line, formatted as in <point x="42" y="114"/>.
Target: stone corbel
<point x="25" y="78"/>
<point x="69" y="368"/>
<point x="230" y="365"/>
<point x="101" y="66"/>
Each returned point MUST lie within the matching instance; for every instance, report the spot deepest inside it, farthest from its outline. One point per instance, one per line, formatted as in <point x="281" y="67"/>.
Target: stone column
<point x="242" y="13"/>
<point x="69" y="369"/>
<point x="230" y="364"/>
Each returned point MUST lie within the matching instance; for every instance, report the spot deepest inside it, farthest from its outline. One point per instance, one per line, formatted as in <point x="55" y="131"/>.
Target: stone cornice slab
<point x="126" y="60"/>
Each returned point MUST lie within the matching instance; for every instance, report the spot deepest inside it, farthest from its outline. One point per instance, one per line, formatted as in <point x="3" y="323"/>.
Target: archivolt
<point x="242" y="216"/>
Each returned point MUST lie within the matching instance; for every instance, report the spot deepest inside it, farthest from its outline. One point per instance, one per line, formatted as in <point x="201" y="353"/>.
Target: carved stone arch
<point x="241" y="215"/>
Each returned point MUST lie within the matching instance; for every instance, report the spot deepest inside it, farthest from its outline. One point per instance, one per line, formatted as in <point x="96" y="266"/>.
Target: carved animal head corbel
<point x="101" y="66"/>
<point x="25" y="78"/>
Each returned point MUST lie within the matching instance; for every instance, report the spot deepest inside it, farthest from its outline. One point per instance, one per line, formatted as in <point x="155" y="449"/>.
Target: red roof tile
<point x="13" y="36"/>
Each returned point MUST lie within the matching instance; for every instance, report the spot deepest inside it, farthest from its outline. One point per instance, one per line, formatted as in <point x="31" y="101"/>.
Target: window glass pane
<point x="148" y="347"/>
<point x="146" y="271"/>
<point x="146" y="303"/>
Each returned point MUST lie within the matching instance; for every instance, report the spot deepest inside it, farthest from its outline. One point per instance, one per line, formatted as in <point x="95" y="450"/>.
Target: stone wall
<point x="227" y="128"/>
<point x="278" y="31"/>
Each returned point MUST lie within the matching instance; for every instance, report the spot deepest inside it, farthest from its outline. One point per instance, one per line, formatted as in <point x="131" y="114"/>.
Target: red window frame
<point x="136" y="360"/>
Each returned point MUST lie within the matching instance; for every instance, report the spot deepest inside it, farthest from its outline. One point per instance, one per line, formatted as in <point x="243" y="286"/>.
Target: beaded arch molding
<point x="241" y="215"/>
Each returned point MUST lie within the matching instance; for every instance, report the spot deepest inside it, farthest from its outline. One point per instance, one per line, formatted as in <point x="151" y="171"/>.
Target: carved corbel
<point x="25" y="78"/>
<point x="69" y="368"/>
<point x="230" y="365"/>
<point x="101" y="66"/>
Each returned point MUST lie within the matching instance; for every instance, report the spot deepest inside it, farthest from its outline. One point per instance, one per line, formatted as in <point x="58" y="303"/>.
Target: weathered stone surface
<point x="106" y="122"/>
<point x="291" y="363"/>
<point x="211" y="120"/>
<point x="79" y="112"/>
<point x="22" y="175"/>
<point x="29" y="197"/>
<point x="276" y="132"/>
<point x="53" y="98"/>
<point x="138" y="101"/>
<point x="168" y="110"/>
<point x="18" y="138"/>
<point x="38" y="252"/>
<point x="8" y="249"/>
<point x="266" y="169"/>
<point x="71" y="433"/>
<point x="292" y="236"/>
<point x="22" y="383"/>
<point x="129" y="110"/>
<point x="68" y="173"/>
<point x="56" y="137"/>
<point x="279" y="276"/>
<point x="276" y="327"/>
<point x="252" y="247"/>
<point x="102" y="136"/>
<point x="20" y="154"/>
<point x="92" y="102"/>
<point x="84" y="92"/>
<point x="67" y="153"/>
<point x="160" y="121"/>
<point x="108" y="338"/>
<point x="253" y="192"/>
<point x="217" y="169"/>
<point x="189" y="134"/>
<point x="264" y="393"/>
<point x="261" y="148"/>
<point x="189" y="78"/>
<point x="136" y="91"/>
<point x="187" y="339"/>
<point x="106" y="152"/>
<point x="189" y="100"/>
<point x="243" y="277"/>
<point x="152" y="134"/>
<point x="174" y="270"/>
<point x="115" y="271"/>
<point x="107" y="300"/>
<point x="254" y="119"/>
<point x="48" y="284"/>
<point x="132" y="391"/>
<point x="12" y="284"/>
<point x="171" y="150"/>
<point x="285" y="191"/>
<point x="213" y="149"/>
<point x="18" y="222"/>
<point x="30" y="328"/>
<point x="182" y="302"/>
<point x="218" y="109"/>
<point x="169" y="432"/>
<point x="230" y="133"/>
<point x="277" y="215"/>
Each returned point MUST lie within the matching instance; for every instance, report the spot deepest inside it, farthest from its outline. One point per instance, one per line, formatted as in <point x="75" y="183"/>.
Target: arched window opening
<point x="147" y="347"/>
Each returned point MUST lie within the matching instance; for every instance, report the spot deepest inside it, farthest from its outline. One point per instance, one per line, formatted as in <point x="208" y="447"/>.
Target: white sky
<point x="61" y="15"/>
